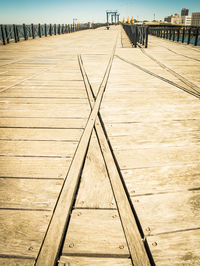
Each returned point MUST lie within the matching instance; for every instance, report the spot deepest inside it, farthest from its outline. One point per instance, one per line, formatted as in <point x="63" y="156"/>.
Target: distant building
<point x="184" y="12"/>
<point x="173" y="19"/>
<point x="195" y="19"/>
<point x="186" y="20"/>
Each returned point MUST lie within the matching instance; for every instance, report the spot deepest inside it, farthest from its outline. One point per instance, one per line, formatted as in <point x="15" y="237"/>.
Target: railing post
<point x="59" y="29"/>
<point x="55" y="29"/>
<point x="15" y="33"/>
<point x="178" y="35"/>
<point x="6" y="33"/>
<point x="33" y="32"/>
<point x="183" y="35"/>
<point x="50" y="30"/>
<point x="189" y="36"/>
<point x="174" y="32"/>
<point x="39" y="30"/>
<point x="147" y="33"/>
<point x="196" y="37"/>
<point x="45" y="30"/>
<point x="24" y="30"/>
<point x="3" y="36"/>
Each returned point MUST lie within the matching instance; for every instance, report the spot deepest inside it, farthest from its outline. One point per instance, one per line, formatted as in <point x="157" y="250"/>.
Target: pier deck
<point x="100" y="155"/>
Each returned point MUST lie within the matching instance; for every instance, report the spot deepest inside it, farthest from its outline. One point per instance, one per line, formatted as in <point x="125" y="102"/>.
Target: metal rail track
<point x="190" y="91"/>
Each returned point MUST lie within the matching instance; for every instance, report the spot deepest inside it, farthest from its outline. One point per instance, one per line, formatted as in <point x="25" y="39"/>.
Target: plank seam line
<point x="25" y="209"/>
<point x="175" y="231"/>
<point x="31" y="178"/>
<point x="197" y="95"/>
<point x="146" y="256"/>
<point x="100" y="255"/>
<point x="164" y="192"/>
<point x="16" y="257"/>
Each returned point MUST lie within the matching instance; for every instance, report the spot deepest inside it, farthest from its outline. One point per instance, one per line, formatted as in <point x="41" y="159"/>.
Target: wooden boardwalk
<point x="100" y="155"/>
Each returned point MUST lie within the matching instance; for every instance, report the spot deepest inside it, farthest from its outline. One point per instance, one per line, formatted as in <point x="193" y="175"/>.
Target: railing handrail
<point x="16" y="32"/>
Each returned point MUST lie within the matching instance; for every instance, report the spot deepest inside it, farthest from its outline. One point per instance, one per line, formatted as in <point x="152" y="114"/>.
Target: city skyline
<point x="63" y="11"/>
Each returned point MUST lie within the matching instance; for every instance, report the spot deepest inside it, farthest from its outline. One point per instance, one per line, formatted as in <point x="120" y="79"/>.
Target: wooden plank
<point x="22" y="232"/>
<point x="162" y="179"/>
<point x="87" y="261"/>
<point x="43" y="122"/>
<point x="49" y="113"/>
<point x="29" y="194"/>
<point x="163" y="156"/>
<point x="46" y="101"/>
<point x="95" y="232"/>
<point x="179" y="248"/>
<point x="16" y="262"/>
<point x="43" y="93"/>
<point x="48" y="107"/>
<point x="168" y="212"/>
<point x="33" y="167"/>
<point x="38" y="148"/>
<point x="95" y="189"/>
<point x="40" y="134"/>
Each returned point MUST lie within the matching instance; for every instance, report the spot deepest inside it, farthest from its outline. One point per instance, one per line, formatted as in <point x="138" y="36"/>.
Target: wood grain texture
<point x="88" y="261"/>
<point x="168" y="212"/>
<point x="30" y="167"/>
<point x="43" y="122"/>
<point x="29" y="194"/>
<point x="22" y="232"/>
<point x="180" y="248"/>
<point x="40" y="134"/>
<point x="16" y="262"/>
<point x="95" y="190"/>
<point x="95" y="232"/>
<point x="38" y="148"/>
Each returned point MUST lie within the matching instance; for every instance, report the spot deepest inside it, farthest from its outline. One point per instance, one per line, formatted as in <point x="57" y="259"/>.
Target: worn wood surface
<point x="95" y="190"/>
<point x="179" y="248"/>
<point x="95" y="232"/>
<point x="153" y="129"/>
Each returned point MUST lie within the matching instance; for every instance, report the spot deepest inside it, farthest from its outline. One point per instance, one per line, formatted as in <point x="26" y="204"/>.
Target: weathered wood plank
<point x="88" y="261"/>
<point x="29" y="194"/>
<point x="32" y="167"/>
<point x="162" y="179"/>
<point x="161" y="156"/>
<point x="40" y="134"/>
<point x="95" y="189"/>
<point x="95" y="232"/>
<point x="168" y="211"/>
<point x="79" y="112"/>
<point x="22" y="232"/>
<point x="179" y="248"/>
<point x="45" y="101"/>
<point x="16" y="262"/>
<point x="43" y="122"/>
<point x="38" y="148"/>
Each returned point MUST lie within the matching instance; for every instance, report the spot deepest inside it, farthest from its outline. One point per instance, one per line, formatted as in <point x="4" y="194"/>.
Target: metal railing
<point x="183" y="34"/>
<point x="10" y="33"/>
<point x="138" y="34"/>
